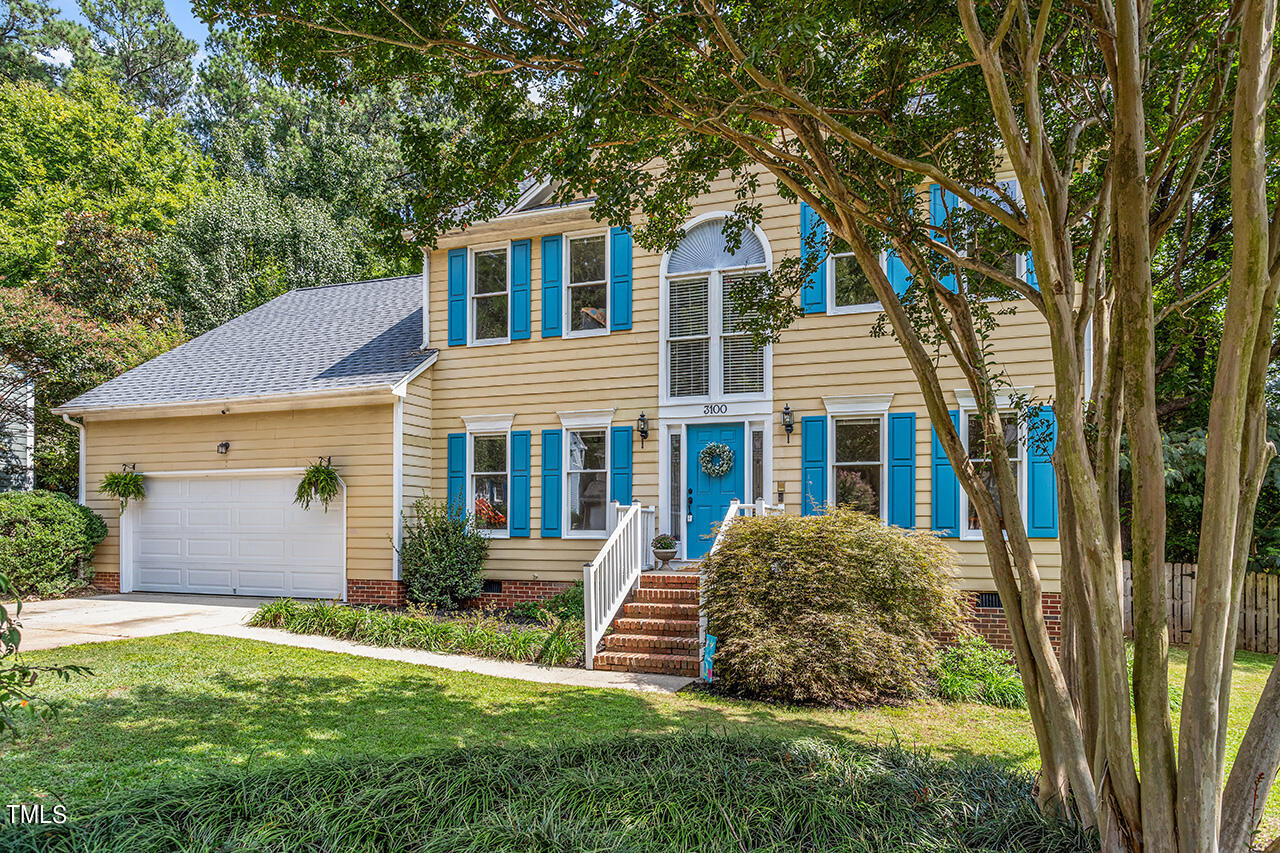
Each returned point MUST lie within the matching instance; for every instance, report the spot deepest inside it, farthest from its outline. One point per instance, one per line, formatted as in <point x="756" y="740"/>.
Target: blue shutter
<point x="620" y="464"/>
<point x="1042" y="485"/>
<point x="938" y="212"/>
<point x="521" y="275"/>
<point x="945" y="487"/>
<point x="519" y="510"/>
<point x="457" y="468"/>
<point x="619" y="280"/>
<point x="551" y="461"/>
<point x="551" y="273"/>
<point x="813" y="464"/>
<point x="457" y="297"/>
<point x="813" y="296"/>
<point x="898" y="275"/>
<point x="902" y="469"/>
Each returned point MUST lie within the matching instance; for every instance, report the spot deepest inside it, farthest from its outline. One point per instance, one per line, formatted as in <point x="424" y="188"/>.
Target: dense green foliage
<point x="139" y="48"/>
<point x="442" y="555"/>
<point x="124" y="486"/>
<point x="557" y="643"/>
<point x="18" y="698"/>
<point x="567" y="604"/>
<point x="833" y="608"/>
<point x="46" y="542"/>
<point x="682" y="793"/>
<point x="972" y="670"/>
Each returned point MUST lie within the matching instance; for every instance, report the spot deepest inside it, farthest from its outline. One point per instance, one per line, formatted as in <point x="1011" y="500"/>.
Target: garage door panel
<point x="235" y="535"/>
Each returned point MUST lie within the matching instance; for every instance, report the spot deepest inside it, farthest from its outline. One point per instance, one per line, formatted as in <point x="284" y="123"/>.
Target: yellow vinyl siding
<point x="417" y="439"/>
<point x="358" y="438"/>
<point x="819" y="355"/>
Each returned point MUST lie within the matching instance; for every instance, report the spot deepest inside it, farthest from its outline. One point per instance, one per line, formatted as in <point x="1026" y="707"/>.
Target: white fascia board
<point x="401" y="387"/>
<point x="211" y="405"/>
<point x="859" y="404"/>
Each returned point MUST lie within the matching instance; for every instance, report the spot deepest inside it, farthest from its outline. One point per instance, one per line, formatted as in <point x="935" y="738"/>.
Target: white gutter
<point x="288" y="396"/>
<point x="80" y="488"/>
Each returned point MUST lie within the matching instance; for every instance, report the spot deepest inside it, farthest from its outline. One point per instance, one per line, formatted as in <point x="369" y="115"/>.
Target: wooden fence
<point x="1259" y="628"/>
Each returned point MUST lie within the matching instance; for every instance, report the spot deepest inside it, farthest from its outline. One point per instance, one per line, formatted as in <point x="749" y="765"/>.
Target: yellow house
<point x="545" y="373"/>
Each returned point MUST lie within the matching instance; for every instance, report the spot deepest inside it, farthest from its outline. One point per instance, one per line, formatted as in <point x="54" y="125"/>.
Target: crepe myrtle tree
<point x="1114" y="116"/>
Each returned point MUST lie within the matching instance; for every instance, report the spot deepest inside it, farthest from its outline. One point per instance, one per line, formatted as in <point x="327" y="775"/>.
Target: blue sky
<point x="179" y="10"/>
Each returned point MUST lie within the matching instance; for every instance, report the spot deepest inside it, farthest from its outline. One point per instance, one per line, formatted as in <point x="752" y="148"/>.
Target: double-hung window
<point x="850" y="288"/>
<point x="858" y="464"/>
<point x="491" y="295"/>
<point x="586" y="280"/>
<point x="981" y="454"/>
<point x="743" y="360"/>
<point x="587" y="472"/>
<point x="689" y="337"/>
<point x="490" y="482"/>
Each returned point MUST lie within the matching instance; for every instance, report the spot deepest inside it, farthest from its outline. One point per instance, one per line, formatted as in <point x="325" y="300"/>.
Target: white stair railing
<point x="609" y="578"/>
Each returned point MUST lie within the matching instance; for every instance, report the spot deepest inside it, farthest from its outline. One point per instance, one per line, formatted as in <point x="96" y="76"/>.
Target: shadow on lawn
<point x="166" y="728"/>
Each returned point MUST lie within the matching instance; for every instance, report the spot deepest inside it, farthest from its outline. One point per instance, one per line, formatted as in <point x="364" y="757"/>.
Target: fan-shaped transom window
<point x="705" y="249"/>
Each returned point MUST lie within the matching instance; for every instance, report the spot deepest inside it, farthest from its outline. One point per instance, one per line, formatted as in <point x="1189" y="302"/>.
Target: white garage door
<point x="235" y="535"/>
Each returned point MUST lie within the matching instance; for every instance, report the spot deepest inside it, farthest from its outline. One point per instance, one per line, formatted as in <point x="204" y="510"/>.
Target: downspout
<point x="80" y="489"/>
<point x="426" y="298"/>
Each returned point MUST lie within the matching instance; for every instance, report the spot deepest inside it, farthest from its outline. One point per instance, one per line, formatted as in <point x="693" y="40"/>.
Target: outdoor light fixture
<point x="224" y="447"/>
<point x="782" y="492"/>
<point x="642" y="425"/>
<point x="788" y="421"/>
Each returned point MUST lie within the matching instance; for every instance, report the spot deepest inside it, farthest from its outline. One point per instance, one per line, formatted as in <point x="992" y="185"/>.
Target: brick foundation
<point x="106" y="581"/>
<point x="991" y="624"/>
<point x="514" y="592"/>
<point x="380" y="592"/>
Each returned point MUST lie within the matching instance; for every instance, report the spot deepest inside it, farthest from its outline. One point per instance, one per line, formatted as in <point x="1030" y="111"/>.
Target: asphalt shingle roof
<point x="355" y="335"/>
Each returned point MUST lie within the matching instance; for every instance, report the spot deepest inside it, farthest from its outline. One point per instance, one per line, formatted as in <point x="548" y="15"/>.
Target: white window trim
<point x="1019" y="258"/>
<point x="585" y="425"/>
<point x="587" y="418"/>
<point x="472" y="340"/>
<point x="1003" y="408"/>
<point x="471" y="471"/>
<point x="1004" y="399"/>
<point x="566" y="302"/>
<point x="867" y="308"/>
<point x="880" y="415"/>
<point x="489" y="423"/>
<point x="859" y="404"/>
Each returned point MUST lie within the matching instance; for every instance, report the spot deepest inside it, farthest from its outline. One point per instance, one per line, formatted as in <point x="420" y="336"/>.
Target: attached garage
<point x="223" y="427"/>
<point x="234" y="534"/>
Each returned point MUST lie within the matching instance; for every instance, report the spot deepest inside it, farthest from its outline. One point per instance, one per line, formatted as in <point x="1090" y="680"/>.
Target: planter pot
<point x="664" y="556"/>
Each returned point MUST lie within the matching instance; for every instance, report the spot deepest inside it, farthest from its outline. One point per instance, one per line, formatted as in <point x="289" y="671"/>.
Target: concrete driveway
<point x="49" y="624"/>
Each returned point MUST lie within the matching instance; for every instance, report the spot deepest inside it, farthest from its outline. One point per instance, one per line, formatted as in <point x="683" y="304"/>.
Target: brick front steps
<point x="657" y="630"/>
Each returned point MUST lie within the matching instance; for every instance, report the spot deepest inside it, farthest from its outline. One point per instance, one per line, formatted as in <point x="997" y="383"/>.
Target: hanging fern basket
<point x="124" y="485"/>
<point x="716" y="459"/>
<point x="319" y="482"/>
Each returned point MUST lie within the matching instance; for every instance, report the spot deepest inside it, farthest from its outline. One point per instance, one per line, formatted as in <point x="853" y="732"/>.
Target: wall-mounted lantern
<point x="788" y="421"/>
<point x="642" y="426"/>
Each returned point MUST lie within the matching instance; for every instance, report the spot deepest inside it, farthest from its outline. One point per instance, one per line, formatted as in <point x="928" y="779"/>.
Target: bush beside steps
<point x="556" y="642"/>
<point x="636" y="793"/>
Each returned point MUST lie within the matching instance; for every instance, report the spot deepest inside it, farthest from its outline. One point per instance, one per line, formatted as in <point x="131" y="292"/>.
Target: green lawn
<point x="172" y="707"/>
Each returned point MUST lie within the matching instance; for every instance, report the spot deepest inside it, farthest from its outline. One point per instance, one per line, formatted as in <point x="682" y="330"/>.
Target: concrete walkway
<point x="50" y="624"/>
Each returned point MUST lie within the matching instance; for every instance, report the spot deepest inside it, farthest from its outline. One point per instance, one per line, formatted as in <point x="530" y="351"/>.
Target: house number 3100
<point x="715" y="409"/>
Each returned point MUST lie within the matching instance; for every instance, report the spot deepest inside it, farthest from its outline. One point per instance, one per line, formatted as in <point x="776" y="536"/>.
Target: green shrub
<point x="555" y="643"/>
<point x="47" y="542"/>
<point x="835" y="608"/>
<point x="442" y="556"/>
<point x="692" y="793"/>
<point x="972" y="670"/>
<point x="566" y="604"/>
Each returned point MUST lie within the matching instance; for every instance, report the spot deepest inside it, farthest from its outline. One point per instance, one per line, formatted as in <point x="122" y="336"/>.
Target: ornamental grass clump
<point x="831" y="609"/>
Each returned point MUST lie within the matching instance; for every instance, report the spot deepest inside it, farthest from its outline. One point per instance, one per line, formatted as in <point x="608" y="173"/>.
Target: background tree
<point x="140" y="48"/>
<point x="30" y="30"/>
<point x="1110" y="115"/>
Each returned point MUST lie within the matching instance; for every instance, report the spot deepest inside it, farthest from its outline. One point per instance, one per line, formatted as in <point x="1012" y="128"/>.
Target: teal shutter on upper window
<point x="551" y="456"/>
<point x="457" y="471"/>
<point x="1042" y="485"/>
<point x="457" y="297"/>
<point x="520" y="512"/>
<point x="898" y="275"/>
<point x="945" y="488"/>
<point x="813" y="464"/>
<point x="619" y="279"/>
<point x="620" y="464"/>
<point x="813" y="234"/>
<point x="942" y="203"/>
<point x="521" y="298"/>
<point x="902" y="469"/>
<point x="551" y="275"/>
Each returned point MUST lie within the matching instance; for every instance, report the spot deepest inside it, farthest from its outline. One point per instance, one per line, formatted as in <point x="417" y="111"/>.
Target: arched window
<point x="709" y="353"/>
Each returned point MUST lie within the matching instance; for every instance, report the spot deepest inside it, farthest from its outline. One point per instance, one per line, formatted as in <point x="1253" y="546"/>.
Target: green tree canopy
<point x="86" y="148"/>
<point x="30" y="30"/>
<point x="140" y="48"/>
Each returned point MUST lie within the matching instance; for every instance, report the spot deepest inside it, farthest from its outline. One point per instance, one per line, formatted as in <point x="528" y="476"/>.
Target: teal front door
<point x="708" y="497"/>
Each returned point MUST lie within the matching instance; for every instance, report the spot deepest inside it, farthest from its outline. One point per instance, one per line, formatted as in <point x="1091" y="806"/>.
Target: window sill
<point x="494" y="534"/>
<point x="589" y="333"/>
<point x="586" y="534"/>
<point x="489" y="342"/>
<point x="871" y="308"/>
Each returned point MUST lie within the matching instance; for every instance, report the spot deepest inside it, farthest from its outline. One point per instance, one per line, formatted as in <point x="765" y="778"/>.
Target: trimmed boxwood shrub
<point x="47" y="542"/>
<point x="834" y="609"/>
<point x="442" y="555"/>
